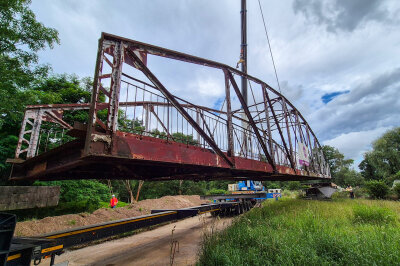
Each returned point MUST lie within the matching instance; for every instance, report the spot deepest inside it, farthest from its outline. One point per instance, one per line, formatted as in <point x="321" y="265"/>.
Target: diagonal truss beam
<point x="251" y="121"/>
<point x="141" y="66"/>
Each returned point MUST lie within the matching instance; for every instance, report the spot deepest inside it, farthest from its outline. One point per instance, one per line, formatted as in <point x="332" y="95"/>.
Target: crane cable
<point x="269" y="45"/>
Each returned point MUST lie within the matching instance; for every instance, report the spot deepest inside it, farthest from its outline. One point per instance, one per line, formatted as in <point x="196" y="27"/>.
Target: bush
<point x="294" y="185"/>
<point x="377" y="189"/>
<point x="340" y="195"/>
<point x="396" y="190"/>
<point x="215" y="191"/>
<point x="373" y="215"/>
<point x="80" y="190"/>
<point x="360" y="192"/>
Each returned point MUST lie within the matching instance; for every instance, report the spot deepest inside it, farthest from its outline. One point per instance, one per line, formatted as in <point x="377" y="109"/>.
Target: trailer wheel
<point x="247" y="205"/>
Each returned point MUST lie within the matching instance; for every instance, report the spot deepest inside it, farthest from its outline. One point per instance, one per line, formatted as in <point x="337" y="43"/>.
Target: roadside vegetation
<point x="300" y="232"/>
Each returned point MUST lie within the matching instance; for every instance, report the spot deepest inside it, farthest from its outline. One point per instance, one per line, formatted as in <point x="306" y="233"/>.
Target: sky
<point x="338" y="61"/>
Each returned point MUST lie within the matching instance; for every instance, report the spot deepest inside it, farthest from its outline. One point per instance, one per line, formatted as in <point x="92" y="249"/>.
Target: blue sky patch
<point x="326" y="98"/>
<point x="218" y="103"/>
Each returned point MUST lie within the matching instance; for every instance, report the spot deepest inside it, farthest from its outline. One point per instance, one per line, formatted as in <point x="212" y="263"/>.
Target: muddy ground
<point x="57" y="223"/>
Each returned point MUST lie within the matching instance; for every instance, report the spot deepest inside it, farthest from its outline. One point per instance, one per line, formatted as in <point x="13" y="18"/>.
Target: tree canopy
<point x="383" y="161"/>
<point x="21" y="37"/>
<point x="341" y="172"/>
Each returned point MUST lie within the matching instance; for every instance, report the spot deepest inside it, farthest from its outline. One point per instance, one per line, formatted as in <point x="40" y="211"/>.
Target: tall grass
<point x="300" y="232"/>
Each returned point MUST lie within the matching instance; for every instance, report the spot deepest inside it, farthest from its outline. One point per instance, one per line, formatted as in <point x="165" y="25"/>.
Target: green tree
<point x="368" y="171"/>
<point x="384" y="159"/>
<point x="335" y="159"/>
<point x="21" y="37"/>
<point x="79" y="190"/>
<point x="341" y="172"/>
<point x="293" y="185"/>
<point x="348" y="177"/>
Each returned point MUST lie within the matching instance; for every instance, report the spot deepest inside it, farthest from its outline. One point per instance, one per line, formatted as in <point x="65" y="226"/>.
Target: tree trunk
<point x="139" y="188"/>
<point x="109" y="186"/>
<point x="128" y="187"/>
<point x="180" y="187"/>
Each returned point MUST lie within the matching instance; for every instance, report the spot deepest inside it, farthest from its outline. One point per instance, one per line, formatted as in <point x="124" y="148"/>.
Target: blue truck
<point x="249" y="186"/>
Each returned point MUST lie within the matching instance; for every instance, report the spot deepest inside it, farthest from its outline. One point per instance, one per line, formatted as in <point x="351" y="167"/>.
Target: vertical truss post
<point x="21" y="136"/>
<point x="33" y="142"/>
<point x="198" y="122"/>
<point x="299" y="126"/>
<point x="271" y="149"/>
<point x="311" y="149"/>
<point x="146" y="115"/>
<point x="36" y="116"/>
<point x="286" y="114"/>
<point x="112" y="116"/>
<point x="231" y="149"/>
<point x="251" y="121"/>
<point x="280" y="131"/>
<point x="95" y="96"/>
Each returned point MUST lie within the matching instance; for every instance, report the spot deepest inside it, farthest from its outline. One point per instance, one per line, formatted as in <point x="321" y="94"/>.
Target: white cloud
<point x="354" y="144"/>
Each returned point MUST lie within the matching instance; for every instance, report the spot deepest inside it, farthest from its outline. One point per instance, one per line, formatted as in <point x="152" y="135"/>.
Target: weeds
<point x="300" y="232"/>
<point x="174" y="247"/>
<point x="374" y="215"/>
<point x="72" y="222"/>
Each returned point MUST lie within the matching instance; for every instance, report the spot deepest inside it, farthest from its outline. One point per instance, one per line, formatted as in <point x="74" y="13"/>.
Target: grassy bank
<point x="300" y="232"/>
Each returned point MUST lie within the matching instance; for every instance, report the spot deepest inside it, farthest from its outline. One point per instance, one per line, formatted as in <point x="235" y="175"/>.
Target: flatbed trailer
<point x="23" y="250"/>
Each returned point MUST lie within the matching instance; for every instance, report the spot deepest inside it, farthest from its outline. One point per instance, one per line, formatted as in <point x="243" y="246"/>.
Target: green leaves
<point x="384" y="159"/>
<point x="377" y="189"/>
<point x="340" y="168"/>
<point x="80" y="190"/>
<point x="19" y="28"/>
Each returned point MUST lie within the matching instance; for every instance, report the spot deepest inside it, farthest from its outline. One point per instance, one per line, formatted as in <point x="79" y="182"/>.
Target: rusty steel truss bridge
<point x="137" y="129"/>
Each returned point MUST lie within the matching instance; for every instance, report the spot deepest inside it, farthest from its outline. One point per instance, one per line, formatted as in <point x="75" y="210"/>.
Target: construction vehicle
<point x="249" y="187"/>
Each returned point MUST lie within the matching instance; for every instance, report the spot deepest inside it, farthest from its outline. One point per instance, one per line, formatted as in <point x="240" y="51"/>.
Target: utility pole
<point x="243" y="60"/>
<point x="243" y="51"/>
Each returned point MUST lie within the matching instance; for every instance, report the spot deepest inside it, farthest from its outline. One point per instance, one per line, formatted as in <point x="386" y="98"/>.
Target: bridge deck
<point x="142" y="157"/>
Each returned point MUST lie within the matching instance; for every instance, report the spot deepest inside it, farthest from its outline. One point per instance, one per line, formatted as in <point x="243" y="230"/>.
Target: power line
<point x="269" y="45"/>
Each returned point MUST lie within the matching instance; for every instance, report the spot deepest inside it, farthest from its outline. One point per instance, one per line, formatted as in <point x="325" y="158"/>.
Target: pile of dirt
<point x="58" y="223"/>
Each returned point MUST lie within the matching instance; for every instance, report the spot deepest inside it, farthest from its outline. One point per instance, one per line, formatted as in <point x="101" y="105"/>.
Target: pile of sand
<point x="57" y="223"/>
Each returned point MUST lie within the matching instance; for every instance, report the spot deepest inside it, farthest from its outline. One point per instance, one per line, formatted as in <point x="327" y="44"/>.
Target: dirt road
<point x="151" y="247"/>
<point x="63" y="222"/>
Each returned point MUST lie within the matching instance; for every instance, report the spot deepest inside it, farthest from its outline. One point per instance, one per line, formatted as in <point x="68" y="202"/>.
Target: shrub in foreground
<point x="377" y="189"/>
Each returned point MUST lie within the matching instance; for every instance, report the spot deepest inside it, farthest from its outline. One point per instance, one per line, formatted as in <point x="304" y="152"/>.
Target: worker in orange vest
<point x="113" y="201"/>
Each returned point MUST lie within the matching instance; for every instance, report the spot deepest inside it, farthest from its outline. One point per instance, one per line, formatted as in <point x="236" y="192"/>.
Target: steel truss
<point x="153" y="134"/>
